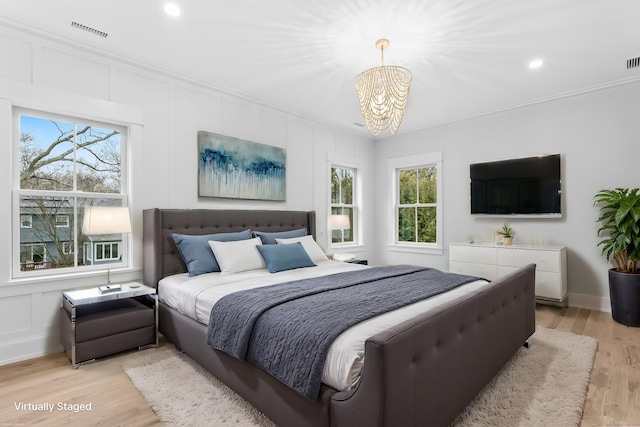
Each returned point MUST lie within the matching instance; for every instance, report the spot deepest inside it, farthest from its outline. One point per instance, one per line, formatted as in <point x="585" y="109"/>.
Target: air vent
<point x="633" y="63"/>
<point x="89" y="30"/>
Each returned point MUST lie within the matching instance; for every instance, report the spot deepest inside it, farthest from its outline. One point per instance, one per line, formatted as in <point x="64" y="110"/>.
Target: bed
<point x="421" y="371"/>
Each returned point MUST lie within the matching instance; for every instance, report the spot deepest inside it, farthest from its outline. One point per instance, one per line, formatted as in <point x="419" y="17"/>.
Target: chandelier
<point x="383" y="93"/>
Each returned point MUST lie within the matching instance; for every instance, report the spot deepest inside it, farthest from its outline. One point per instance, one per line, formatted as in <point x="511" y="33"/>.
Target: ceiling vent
<point x="633" y="63"/>
<point x="89" y="30"/>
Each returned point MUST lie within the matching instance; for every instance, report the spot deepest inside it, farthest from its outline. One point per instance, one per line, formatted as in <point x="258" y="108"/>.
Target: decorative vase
<point x="507" y="241"/>
<point x="624" y="291"/>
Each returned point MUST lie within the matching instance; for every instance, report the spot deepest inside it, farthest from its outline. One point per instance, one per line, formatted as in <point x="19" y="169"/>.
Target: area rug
<point x="543" y="385"/>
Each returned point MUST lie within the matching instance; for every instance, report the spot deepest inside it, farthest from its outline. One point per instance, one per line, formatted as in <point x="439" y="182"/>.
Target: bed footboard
<point x="426" y="370"/>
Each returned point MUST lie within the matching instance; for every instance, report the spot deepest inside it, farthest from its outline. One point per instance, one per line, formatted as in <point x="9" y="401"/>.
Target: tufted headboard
<point x="160" y="255"/>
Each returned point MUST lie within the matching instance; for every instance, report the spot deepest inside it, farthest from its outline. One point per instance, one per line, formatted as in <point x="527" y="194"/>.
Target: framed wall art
<point x="238" y="169"/>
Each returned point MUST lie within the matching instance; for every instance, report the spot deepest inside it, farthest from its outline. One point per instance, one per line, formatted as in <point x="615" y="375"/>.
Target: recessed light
<point x="536" y="63"/>
<point x="172" y="9"/>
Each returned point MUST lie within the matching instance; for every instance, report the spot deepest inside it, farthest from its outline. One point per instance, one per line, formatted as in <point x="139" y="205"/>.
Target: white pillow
<point x="237" y="256"/>
<point x="314" y="251"/>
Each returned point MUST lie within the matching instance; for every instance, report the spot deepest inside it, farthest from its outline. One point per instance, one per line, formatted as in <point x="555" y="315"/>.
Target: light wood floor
<point x="613" y="398"/>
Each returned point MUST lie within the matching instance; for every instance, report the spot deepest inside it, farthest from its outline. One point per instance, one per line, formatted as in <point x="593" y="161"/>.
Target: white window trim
<point x="345" y="161"/>
<point x="410" y="162"/>
<point x="15" y="94"/>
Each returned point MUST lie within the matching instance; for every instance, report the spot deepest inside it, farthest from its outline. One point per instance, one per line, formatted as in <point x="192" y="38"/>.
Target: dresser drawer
<point x="473" y="254"/>
<point x="548" y="285"/>
<point x="545" y="260"/>
<point x="486" y="271"/>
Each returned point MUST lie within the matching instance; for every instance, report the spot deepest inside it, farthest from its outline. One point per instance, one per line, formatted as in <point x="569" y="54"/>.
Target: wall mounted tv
<point x="529" y="186"/>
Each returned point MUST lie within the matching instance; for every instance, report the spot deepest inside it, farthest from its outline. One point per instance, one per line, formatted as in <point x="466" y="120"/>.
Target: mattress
<point x="195" y="296"/>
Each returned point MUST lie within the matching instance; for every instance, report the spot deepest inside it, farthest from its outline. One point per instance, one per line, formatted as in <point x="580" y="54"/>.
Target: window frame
<point x="394" y="166"/>
<point x="339" y="160"/>
<point x="353" y="206"/>
<point x="30" y="225"/>
<point x="121" y="198"/>
<point x="65" y="223"/>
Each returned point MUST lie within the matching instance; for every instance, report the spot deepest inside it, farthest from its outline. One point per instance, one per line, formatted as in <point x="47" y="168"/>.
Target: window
<point x="107" y="251"/>
<point x="26" y="221"/>
<point x="417" y="182"/>
<point x="67" y="248"/>
<point x="33" y="257"/>
<point x="64" y="165"/>
<point x="343" y="202"/>
<point x="417" y="201"/>
<point x="62" y="220"/>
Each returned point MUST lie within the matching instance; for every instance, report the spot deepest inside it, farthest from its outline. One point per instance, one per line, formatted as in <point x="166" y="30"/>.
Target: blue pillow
<point x="269" y="238"/>
<point x="285" y="257"/>
<point x="196" y="252"/>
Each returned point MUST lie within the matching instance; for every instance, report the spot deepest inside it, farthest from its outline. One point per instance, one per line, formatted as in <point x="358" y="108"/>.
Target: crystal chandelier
<point x="383" y="93"/>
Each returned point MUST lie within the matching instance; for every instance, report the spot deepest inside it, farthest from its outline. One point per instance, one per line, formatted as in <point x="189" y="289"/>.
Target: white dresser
<point x="491" y="261"/>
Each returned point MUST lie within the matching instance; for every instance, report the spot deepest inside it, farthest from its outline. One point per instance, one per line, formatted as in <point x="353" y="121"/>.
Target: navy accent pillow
<point x="285" y="257"/>
<point x="196" y="252"/>
<point x="269" y="238"/>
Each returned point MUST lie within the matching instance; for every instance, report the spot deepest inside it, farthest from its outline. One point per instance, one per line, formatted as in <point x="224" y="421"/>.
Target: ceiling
<point x="467" y="57"/>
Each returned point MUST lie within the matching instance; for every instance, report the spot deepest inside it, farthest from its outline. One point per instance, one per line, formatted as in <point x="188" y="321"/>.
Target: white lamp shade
<point x="339" y="222"/>
<point x="106" y="220"/>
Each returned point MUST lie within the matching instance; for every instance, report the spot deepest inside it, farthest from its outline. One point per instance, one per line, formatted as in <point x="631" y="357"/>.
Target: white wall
<point x="163" y="164"/>
<point x="598" y="136"/>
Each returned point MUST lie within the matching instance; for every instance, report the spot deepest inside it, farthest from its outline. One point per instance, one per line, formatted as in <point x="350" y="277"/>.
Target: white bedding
<point x="195" y="297"/>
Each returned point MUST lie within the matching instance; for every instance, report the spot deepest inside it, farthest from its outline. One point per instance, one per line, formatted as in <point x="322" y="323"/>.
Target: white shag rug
<point x="543" y="385"/>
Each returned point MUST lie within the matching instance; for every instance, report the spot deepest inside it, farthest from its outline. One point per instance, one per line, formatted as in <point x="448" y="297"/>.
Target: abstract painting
<point x="238" y="169"/>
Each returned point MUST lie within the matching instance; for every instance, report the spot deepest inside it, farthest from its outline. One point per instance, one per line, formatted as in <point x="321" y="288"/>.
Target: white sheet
<point x="195" y="296"/>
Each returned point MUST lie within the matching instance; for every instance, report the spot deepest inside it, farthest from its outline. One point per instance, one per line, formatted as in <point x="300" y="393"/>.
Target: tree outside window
<point x="65" y="165"/>
<point x="417" y="205"/>
<point x="343" y="202"/>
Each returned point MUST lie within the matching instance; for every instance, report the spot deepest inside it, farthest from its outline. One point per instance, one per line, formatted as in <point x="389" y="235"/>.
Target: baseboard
<point x="590" y="302"/>
<point x="29" y="348"/>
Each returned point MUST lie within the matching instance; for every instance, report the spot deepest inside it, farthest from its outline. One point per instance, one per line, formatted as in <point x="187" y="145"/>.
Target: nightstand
<point x="95" y="324"/>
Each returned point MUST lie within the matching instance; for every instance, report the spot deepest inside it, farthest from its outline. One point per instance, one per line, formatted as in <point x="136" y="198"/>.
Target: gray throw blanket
<point x="287" y="329"/>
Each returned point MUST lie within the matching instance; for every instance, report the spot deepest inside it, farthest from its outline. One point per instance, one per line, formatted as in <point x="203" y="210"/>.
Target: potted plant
<point x="620" y="232"/>
<point x="507" y="235"/>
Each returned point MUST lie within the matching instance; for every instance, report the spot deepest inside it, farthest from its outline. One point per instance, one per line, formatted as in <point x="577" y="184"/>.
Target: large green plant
<point x="620" y="217"/>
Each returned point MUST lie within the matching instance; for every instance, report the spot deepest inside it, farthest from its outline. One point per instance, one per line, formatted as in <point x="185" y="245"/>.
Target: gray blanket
<point x="287" y="329"/>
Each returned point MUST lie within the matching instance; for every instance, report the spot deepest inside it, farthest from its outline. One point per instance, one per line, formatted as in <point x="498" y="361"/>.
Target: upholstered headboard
<point x="160" y="255"/>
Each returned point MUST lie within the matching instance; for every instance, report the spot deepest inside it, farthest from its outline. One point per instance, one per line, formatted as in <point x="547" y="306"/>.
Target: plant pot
<point x="624" y="291"/>
<point x="507" y="241"/>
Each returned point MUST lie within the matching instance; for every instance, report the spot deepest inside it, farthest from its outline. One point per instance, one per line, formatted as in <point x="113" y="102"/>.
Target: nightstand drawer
<point x="111" y="317"/>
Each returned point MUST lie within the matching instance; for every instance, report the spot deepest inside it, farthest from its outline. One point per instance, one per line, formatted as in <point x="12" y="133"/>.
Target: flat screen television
<point x="529" y="186"/>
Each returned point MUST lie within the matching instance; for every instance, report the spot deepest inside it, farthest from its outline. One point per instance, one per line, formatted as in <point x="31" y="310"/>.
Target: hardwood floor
<point x="614" y="391"/>
<point x="613" y="398"/>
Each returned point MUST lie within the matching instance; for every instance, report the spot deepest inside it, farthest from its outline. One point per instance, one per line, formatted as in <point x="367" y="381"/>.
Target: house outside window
<point x="64" y="165"/>
<point x="417" y="207"/>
